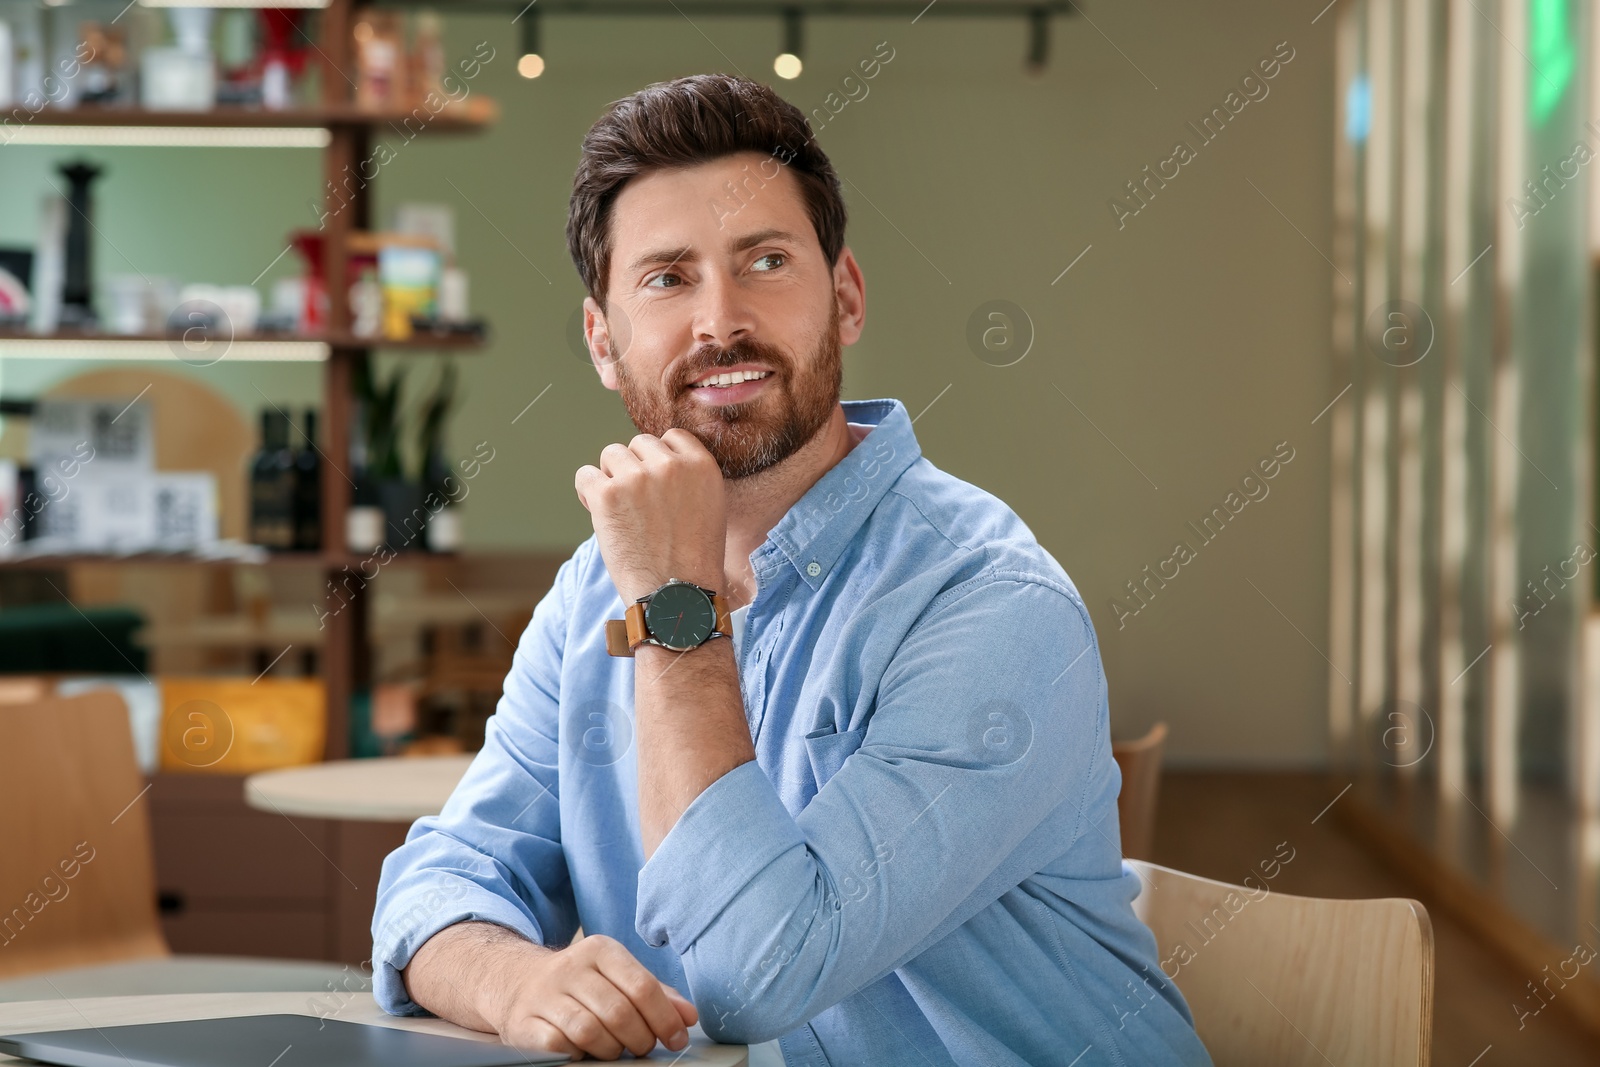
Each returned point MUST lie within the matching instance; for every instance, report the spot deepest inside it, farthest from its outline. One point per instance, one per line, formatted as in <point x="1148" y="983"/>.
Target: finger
<point x="583" y="479"/>
<point x="616" y="458"/>
<point x="615" y="1011"/>
<point x="533" y="1033"/>
<point x="683" y="442"/>
<point x="649" y="447"/>
<point x="646" y="992"/>
<point x="584" y="1029"/>
<point x="685" y="1007"/>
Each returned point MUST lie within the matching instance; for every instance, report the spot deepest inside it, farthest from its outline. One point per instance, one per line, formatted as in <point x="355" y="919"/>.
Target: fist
<point x="659" y="510"/>
<point x="592" y="999"/>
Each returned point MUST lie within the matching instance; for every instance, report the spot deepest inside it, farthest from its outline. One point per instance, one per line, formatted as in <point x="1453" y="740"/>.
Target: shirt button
<point x="813" y="568"/>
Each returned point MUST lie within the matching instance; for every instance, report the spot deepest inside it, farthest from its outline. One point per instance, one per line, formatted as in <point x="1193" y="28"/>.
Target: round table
<point x="35" y="1016"/>
<point x="389" y="789"/>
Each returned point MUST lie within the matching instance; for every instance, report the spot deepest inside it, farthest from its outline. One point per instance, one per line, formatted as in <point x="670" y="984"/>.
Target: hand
<point x="659" y="509"/>
<point x="592" y="998"/>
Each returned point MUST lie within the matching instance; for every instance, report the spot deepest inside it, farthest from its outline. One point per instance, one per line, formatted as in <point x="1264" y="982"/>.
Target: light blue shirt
<point x="920" y="867"/>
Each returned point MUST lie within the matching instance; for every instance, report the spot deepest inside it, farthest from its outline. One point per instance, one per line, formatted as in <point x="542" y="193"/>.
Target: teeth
<point x="731" y="378"/>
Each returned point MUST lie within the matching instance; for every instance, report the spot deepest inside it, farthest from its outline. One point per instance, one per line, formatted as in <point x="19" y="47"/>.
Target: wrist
<point x="705" y="578"/>
<point x="505" y="961"/>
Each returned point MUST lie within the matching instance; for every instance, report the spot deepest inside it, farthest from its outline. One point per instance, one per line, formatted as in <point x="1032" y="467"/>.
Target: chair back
<point x="77" y="883"/>
<point x="1140" y="762"/>
<point x="1288" y="981"/>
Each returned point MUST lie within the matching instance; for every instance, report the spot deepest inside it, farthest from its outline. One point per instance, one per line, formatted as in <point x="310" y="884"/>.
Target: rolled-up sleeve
<point x="493" y="854"/>
<point x="989" y="723"/>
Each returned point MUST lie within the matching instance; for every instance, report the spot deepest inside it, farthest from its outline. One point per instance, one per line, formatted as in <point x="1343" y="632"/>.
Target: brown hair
<point x="681" y="123"/>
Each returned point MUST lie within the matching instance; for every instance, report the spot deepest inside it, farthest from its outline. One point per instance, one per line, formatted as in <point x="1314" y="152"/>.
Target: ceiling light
<point x="1038" y="40"/>
<point x="788" y="64"/>
<point x="531" y="65"/>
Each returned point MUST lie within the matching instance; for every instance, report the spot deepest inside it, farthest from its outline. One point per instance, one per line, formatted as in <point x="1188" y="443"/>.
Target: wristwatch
<point x="679" y="615"/>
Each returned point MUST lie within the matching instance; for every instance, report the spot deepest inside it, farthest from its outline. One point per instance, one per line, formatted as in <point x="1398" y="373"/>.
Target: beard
<point x="748" y="437"/>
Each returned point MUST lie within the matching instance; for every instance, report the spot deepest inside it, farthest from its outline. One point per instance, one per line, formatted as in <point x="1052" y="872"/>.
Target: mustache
<point x="711" y="357"/>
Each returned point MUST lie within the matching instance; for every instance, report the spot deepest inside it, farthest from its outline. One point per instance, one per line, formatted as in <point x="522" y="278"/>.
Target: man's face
<point x="704" y="282"/>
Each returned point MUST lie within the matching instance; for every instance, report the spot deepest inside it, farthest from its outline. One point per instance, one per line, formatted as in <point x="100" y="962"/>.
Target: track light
<point x="531" y="64"/>
<point x="1038" y="40"/>
<point x="788" y="64"/>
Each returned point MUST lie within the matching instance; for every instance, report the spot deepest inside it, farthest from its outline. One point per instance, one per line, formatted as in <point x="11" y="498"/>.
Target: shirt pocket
<point x="828" y="748"/>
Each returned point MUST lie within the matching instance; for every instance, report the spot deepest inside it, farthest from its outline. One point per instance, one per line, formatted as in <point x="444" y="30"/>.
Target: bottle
<point x="308" y="490"/>
<point x="427" y="59"/>
<point x="272" y="485"/>
<point x="364" y="522"/>
<point x="443" y="532"/>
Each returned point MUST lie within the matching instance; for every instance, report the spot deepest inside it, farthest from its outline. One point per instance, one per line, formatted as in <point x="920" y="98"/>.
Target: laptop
<point x="264" y="1041"/>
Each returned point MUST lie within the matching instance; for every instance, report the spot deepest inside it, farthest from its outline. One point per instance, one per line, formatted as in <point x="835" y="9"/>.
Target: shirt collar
<point x="814" y="532"/>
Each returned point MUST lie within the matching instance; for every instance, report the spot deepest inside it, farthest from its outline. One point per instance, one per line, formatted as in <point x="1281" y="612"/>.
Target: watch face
<point x="680" y="616"/>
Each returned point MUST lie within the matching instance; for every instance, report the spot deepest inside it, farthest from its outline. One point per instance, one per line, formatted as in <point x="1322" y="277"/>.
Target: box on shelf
<point x="95" y="461"/>
<point x="82" y="433"/>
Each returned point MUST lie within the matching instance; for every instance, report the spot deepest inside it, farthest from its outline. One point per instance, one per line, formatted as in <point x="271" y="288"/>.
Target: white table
<point x="37" y="1015"/>
<point x="390" y="789"/>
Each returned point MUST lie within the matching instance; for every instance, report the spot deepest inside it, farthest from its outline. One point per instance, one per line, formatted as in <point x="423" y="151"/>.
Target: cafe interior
<point x="1275" y="323"/>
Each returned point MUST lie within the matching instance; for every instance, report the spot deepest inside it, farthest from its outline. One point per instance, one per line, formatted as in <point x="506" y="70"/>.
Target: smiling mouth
<point x="729" y="379"/>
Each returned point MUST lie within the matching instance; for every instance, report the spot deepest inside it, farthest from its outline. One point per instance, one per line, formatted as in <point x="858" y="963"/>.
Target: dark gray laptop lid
<point x="264" y="1041"/>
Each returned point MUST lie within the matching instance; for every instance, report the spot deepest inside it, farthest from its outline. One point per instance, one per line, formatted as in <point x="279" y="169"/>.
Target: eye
<point x="660" y="277"/>
<point x="774" y="255"/>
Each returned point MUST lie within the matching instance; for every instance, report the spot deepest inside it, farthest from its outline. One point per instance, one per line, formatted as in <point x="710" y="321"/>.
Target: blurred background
<point x="1273" y="322"/>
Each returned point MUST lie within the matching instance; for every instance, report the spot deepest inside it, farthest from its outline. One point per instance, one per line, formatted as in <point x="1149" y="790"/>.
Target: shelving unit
<point x="349" y="130"/>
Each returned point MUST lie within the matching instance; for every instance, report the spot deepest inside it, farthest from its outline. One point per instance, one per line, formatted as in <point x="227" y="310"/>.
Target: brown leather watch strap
<point x="633" y="620"/>
<point x="617" y="638"/>
<point x="627" y="633"/>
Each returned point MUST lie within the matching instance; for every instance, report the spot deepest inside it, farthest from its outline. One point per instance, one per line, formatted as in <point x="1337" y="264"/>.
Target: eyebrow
<point x="687" y="254"/>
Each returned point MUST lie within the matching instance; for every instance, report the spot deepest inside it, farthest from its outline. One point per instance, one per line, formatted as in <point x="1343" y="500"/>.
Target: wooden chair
<point x="77" y="882"/>
<point x="1140" y="762"/>
<point x="1290" y="981"/>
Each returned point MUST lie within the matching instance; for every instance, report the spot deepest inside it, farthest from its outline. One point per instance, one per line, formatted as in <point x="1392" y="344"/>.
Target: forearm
<point x="463" y="973"/>
<point x="690" y="726"/>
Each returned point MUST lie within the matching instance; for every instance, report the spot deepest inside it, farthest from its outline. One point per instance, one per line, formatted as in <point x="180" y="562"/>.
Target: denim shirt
<point x="922" y="864"/>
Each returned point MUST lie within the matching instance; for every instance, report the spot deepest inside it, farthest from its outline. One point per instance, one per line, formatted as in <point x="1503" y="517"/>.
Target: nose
<point x="723" y="315"/>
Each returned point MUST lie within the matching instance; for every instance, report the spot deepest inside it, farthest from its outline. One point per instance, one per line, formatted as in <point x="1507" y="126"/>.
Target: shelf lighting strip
<point x="168" y="136"/>
<point x="233" y="3"/>
<point x="234" y="352"/>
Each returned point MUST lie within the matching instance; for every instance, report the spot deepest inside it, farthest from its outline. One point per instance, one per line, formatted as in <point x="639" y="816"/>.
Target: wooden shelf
<point x="473" y="114"/>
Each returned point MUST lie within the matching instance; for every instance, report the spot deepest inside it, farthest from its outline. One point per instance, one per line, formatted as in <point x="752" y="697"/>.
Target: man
<point x="839" y="785"/>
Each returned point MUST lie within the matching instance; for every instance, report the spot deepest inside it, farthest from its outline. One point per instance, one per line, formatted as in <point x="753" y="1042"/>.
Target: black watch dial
<point x="680" y="615"/>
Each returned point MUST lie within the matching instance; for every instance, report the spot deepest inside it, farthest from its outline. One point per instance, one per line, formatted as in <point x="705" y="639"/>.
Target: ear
<point x="602" y="347"/>
<point x="850" y="289"/>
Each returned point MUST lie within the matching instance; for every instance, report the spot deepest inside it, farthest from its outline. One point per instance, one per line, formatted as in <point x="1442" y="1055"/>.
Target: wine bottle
<point x="272" y="485"/>
<point x="363" y="527"/>
<point x="443" y="531"/>
<point x="308" y="489"/>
